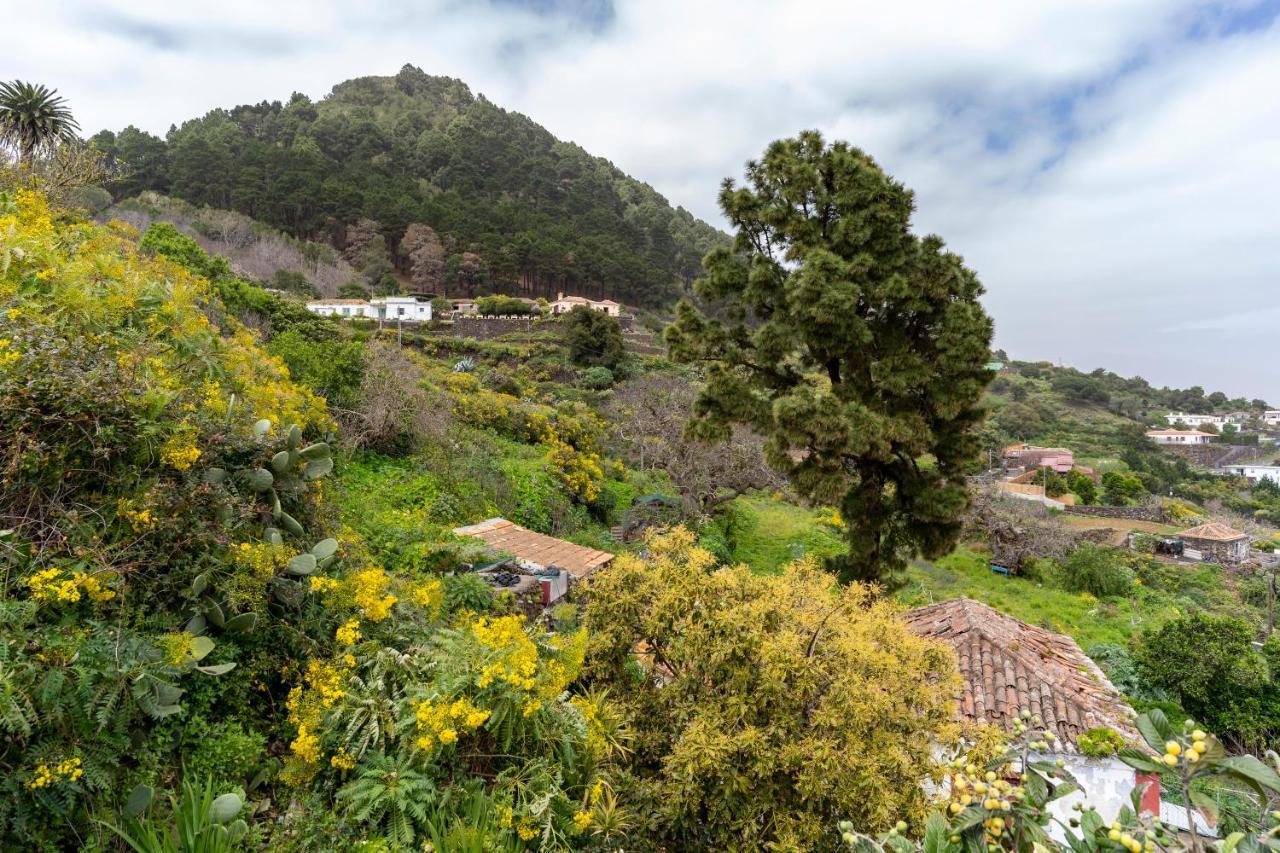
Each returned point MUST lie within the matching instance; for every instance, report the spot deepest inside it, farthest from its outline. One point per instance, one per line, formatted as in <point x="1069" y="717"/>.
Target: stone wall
<point x="1130" y="513"/>
<point x="487" y="328"/>
<point x="1203" y="455"/>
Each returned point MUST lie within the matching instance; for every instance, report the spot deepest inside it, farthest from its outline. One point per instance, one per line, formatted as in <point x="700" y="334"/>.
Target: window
<point x="400" y="310"/>
<point x="346" y="312"/>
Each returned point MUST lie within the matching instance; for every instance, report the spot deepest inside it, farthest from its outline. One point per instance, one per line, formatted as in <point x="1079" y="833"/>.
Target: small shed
<point x="1217" y="543"/>
<point x="536" y="548"/>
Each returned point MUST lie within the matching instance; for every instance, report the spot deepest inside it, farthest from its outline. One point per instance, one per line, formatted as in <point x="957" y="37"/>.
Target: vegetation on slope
<point x="506" y="206"/>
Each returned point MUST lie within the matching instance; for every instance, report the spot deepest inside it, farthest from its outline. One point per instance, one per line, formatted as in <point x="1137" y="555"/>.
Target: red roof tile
<point x="1007" y="666"/>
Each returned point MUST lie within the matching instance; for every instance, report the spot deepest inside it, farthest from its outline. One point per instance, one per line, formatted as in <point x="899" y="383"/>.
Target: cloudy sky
<point x="1111" y="168"/>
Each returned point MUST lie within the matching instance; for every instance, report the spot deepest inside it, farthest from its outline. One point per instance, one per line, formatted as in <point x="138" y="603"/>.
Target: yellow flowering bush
<point x="45" y="775"/>
<point x="54" y="586"/>
<point x="440" y="721"/>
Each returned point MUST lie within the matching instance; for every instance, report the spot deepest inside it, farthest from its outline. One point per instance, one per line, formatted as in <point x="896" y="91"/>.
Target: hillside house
<point x="1007" y="666"/>
<point x="1215" y="542"/>
<point x="406" y="309"/>
<point x="537" y="553"/>
<point x="1180" y="437"/>
<point x="565" y="304"/>
<point x="1271" y="417"/>
<point x="1194" y="421"/>
<point x="1029" y="456"/>
<point x="1255" y="473"/>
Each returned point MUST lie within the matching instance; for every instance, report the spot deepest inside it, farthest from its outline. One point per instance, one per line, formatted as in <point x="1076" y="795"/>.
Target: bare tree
<point x="1016" y="529"/>
<point x="426" y="255"/>
<point x="650" y="414"/>
<point x="393" y="413"/>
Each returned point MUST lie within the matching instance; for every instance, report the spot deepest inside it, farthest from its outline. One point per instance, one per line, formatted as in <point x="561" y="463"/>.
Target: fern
<point x="390" y="795"/>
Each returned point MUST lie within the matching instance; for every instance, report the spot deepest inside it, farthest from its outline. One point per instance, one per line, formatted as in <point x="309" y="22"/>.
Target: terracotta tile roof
<point x="338" y="302"/>
<point x="1215" y="531"/>
<point x="1007" y="666"/>
<point x="1179" y="432"/>
<point x="524" y="544"/>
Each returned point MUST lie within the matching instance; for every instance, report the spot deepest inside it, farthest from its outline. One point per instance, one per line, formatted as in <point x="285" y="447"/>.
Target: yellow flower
<point x="179" y="451"/>
<point x="582" y="820"/>
<point x="349" y="633"/>
<point x="343" y="760"/>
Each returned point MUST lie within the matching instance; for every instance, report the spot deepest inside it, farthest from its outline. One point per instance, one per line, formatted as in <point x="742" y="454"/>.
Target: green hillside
<point x="509" y="207"/>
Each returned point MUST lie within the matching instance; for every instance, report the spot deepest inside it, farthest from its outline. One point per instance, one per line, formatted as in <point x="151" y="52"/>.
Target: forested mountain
<point x="417" y="173"/>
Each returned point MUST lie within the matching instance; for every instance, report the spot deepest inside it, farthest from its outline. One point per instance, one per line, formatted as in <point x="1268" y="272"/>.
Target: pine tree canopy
<point x="857" y="348"/>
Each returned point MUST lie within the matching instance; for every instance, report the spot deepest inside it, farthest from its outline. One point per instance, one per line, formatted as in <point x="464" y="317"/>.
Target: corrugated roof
<point x="1215" y="531"/>
<point x="525" y="544"/>
<point x="1008" y="666"/>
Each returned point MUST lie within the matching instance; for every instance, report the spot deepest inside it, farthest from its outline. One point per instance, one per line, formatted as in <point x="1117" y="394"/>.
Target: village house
<point x="552" y="563"/>
<point x="1215" y="542"/>
<point x="1193" y="421"/>
<point x="1271" y="417"/>
<point x="407" y="309"/>
<point x="1181" y="437"/>
<point x="1029" y="456"/>
<point x="1254" y="473"/>
<point x="565" y="304"/>
<point x="1007" y="666"/>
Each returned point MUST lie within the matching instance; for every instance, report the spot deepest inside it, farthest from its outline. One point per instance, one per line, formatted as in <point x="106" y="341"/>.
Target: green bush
<point x="1095" y="570"/>
<point x="1100" y="742"/>
<point x="224" y="752"/>
<point x="598" y="378"/>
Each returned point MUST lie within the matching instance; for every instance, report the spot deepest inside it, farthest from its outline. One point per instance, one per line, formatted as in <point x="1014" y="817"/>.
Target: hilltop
<point x="490" y="200"/>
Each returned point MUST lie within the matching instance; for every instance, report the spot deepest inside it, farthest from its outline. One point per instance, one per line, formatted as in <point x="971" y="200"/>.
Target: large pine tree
<point x="856" y="347"/>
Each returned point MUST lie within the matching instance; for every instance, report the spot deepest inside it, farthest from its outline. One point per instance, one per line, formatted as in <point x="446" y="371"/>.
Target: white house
<point x="565" y="304"/>
<point x="1200" y="420"/>
<point x="1180" y="436"/>
<point x="1255" y="473"/>
<point x="408" y="309"/>
<point x="1271" y="417"/>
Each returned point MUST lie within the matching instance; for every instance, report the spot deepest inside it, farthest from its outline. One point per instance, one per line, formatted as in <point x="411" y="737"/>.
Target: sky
<point x="1110" y="168"/>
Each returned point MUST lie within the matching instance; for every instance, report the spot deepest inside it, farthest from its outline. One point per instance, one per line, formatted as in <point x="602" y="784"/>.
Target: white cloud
<point x="1128" y="219"/>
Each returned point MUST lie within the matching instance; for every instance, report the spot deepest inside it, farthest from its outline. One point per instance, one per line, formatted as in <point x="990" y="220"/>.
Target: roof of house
<point x="1215" y="531"/>
<point x="338" y="302"/>
<point x="1031" y="448"/>
<point x="1008" y="666"/>
<point x="524" y="544"/>
<point x="1178" y="432"/>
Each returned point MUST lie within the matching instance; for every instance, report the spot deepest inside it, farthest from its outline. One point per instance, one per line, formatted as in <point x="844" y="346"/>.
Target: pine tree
<point x="857" y="348"/>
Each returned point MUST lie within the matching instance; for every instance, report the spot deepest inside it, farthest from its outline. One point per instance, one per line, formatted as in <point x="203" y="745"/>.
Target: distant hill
<point x="1098" y="414"/>
<point x="492" y="201"/>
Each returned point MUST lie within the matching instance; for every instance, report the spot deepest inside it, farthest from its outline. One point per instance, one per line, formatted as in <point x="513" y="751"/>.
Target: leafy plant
<point x="200" y="821"/>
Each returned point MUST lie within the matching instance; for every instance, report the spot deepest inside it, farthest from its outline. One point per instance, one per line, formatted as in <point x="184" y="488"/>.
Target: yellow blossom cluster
<point x="429" y="595"/>
<point x="323" y="686"/>
<point x="176" y="647"/>
<point x="342" y="760"/>
<point x="580" y="472"/>
<point x="516" y="658"/>
<point x="139" y="519"/>
<point x="440" y="721"/>
<point x="53" y="586"/>
<point x="44" y="775"/>
<point x="323" y="585"/>
<point x="368" y="588"/>
<point x="179" y="451"/>
<point x="262" y="559"/>
<point x="348" y="634"/>
<point x="8" y="355"/>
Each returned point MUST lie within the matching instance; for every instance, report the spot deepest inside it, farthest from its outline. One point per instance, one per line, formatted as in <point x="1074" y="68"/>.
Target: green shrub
<point x="467" y="591"/>
<point x="1100" y="742"/>
<point x="1095" y="570"/>
<point x="225" y="752"/>
<point x="598" y="378"/>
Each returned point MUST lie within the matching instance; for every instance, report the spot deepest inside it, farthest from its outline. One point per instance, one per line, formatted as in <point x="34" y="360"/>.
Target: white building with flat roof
<point x="1255" y="473"/>
<point x="406" y="309"/>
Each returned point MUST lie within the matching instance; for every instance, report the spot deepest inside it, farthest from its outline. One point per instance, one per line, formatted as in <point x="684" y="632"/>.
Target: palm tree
<point x="33" y="118"/>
